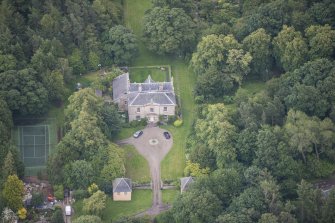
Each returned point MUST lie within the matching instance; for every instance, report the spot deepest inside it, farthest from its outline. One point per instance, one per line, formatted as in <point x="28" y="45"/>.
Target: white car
<point x="68" y="210"/>
<point x="138" y="134"/>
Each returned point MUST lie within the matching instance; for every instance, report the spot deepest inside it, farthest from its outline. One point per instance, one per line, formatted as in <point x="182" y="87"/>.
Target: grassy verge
<point x="127" y="132"/>
<point x="141" y="200"/>
<point x="169" y="196"/>
<point x="137" y="167"/>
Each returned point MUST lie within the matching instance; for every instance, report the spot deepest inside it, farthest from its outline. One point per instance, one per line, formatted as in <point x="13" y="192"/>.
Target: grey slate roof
<point x="185" y="183"/>
<point x="122" y="185"/>
<point x="149" y="87"/>
<point x="120" y="86"/>
<point x="154" y="97"/>
<point x="144" y="93"/>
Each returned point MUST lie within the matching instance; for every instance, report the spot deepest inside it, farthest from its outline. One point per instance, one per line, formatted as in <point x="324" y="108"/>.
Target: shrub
<point x="37" y="199"/>
<point x="59" y="192"/>
<point x="80" y="194"/>
<point x="57" y="216"/>
<point x="137" y="123"/>
<point x="172" y="119"/>
<point x="22" y="213"/>
<point x="178" y="123"/>
<point x="92" y="188"/>
<point x="88" y="219"/>
<point x="95" y="204"/>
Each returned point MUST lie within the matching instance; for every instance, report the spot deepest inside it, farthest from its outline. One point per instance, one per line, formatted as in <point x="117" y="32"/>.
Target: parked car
<point x="167" y="135"/>
<point x="138" y="134"/>
<point x="68" y="210"/>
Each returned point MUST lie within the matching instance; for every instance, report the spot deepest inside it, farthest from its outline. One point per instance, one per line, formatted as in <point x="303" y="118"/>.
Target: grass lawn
<point x="173" y="165"/>
<point x="169" y="196"/>
<point x="137" y="167"/>
<point x="127" y="132"/>
<point x="141" y="200"/>
<point x="139" y="75"/>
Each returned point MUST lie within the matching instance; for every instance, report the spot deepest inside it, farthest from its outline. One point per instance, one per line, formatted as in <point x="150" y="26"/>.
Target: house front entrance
<point x="152" y="118"/>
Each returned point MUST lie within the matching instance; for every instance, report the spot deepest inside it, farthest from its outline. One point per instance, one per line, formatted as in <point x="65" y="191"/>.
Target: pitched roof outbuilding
<point x="122" y="185"/>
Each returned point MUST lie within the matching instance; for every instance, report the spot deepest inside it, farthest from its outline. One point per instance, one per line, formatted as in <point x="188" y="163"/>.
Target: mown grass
<point x="141" y="200"/>
<point x="139" y="75"/>
<point x="173" y="165"/>
<point x="127" y="132"/>
<point x="169" y="196"/>
<point x="137" y="167"/>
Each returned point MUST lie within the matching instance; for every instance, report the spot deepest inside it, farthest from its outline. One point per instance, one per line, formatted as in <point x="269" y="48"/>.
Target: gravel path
<point x="153" y="146"/>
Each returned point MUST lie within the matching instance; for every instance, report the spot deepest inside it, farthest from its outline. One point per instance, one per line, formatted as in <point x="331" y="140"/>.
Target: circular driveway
<point x="153" y="146"/>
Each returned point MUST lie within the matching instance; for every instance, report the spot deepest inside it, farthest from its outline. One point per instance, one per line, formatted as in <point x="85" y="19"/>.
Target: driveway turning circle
<point x="153" y="146"/>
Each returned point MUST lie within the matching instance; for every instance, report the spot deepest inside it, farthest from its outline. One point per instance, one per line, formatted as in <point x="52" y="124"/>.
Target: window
<point x="118" y="193"/>
<point x="151" y="109"/>
<point x="125" y="193"/>
<point x="165" y="108"/>
<point x="138" y="117"/>
<point x="125" y="102"/>
<point x="138" y="109"/>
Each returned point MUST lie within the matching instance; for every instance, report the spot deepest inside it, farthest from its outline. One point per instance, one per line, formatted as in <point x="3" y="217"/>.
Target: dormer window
<point x="151" y="109"/>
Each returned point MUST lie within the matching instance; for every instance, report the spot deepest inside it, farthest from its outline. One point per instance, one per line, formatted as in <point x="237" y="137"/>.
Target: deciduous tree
<point x="169" y="31"/>
<point x="120" y="45"/>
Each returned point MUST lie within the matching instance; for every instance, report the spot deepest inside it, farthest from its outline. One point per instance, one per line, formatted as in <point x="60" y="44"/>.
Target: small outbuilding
<point x="122" y="188"/>
<point x="185" y="182"/>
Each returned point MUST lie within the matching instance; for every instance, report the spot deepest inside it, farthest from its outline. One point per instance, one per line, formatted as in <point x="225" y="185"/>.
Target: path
<point x="154" y="153"/>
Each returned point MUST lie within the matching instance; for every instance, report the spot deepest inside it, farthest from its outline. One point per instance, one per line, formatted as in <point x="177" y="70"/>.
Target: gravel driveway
<point x="153" y="146"/>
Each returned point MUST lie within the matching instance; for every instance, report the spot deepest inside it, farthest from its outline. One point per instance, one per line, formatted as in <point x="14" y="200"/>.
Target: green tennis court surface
<point x="34" y="145"/>
<point x="35" y="138"/>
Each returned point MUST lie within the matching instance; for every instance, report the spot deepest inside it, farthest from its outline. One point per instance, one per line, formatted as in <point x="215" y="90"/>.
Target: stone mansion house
<point x="149" y="99"/>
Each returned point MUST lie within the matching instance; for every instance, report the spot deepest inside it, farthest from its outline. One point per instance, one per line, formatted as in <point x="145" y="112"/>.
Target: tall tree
<point x="79" y="174"/>
<point x="321" y="41"/>
<point x="213" y="50"/>
<point x="217" y="133"/>
<point x="204" y="210"/>
<point x="280" y="42"/>
<point x="120" y="46"/>
<point x="17" y="86"/>
<point x="169" y="31"/>
<point x="258" y="44"/>
<point x="309" y="203"/>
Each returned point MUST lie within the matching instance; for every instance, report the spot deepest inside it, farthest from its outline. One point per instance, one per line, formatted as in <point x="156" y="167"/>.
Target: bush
<point x="172" y="119"/>
<point x="80" y="194"/>
<point x="92" y="188"/>
<point x="88" y="219"/>
<point x="37" y="199"/>
<point x="57" y="216"/>
<point x="59" y="192"/>
<point x="137" y="123"/>
<point x="95" y="204"/>
<point x="178" y="123"/>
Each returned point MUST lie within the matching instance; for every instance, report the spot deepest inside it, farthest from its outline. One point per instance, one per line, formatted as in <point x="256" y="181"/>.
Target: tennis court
<point x="34" y="145"/>
<point x="36" y="139"/>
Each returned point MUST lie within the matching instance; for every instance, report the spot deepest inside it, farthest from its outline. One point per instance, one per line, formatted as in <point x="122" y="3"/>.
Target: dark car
<point x="138" y="134"/>
<point x="166" y="135"/>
